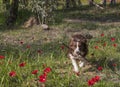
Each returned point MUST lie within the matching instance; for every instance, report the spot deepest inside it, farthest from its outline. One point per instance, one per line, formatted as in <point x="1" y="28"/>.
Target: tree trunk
<point x="104" y="2"/>
<point x="67" y="3"/>
<point x="112" y="2"/>
<point x="73" y="3"/>
<point x="79" y="2"/>
<point x="13" y="11"/>
<point x="91" y="2"/>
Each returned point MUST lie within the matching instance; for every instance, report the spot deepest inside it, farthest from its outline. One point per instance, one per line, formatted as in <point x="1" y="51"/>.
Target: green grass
<point x="52" y="54"/>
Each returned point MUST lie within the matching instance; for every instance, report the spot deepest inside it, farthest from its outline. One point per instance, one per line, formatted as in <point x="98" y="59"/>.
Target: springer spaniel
<point x="78" y="49"/>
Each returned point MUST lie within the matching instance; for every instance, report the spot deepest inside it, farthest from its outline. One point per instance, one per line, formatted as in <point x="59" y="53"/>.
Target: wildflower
<point x="96" y="47"/>
<point x="97" y="78"/>
<point x="42" y="78"/>
<point x="104" y="44"/>
<point x="39" y="51"/>
<point x="100" y="68"/>
<point x="115" y="45"/>
<point x="2" y="57"/>
<point x="21" y="42"/>
<point x="28" y="46"/>
<point x="34" y="72"/>
<point x="47" y="70"/>
<point x="22" y="64"/>
<point x="112" y="39"/>
<point x="62" y="47"/>
<point x="102" y="34"/>
<point x="114" y="64"/>
<point x="90" y="82"/>
<point x="12" y="74"/>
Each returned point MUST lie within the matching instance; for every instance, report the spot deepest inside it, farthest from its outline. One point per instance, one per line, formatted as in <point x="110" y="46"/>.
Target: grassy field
<point x="24" y="50"/>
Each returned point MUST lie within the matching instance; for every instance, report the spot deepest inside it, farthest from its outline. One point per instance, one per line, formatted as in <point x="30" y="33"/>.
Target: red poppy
<point x="96" y="47"/>
<point x="34" y="72"/>
<point x="28" y="46"/>
<point x="114" y="64"/>
<point x="115" y="45"/>
<point x="97" y="78"/>
<point x="100" y="68"/>
<point x="102" y="34"/>
<point x="112" y="39"/>
<point x="104" y="44"/>
<point x="39" y="51"/>
<point x="42" y="78"/>
<point x="90" y="82"/>
<point x="62" y="47"/>
<point x="21" y="42"/>
<point x="12" y="74"/>
<point x="47" y="70"/>
<point x="2" y="57"/>
<point x="22" y="64"/>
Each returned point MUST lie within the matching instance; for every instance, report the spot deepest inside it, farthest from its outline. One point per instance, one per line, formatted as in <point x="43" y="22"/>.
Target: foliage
<point x="43" y="9"/>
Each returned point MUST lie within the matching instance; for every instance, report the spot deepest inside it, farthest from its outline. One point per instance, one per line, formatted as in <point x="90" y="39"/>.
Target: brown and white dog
<point x="78" y="49"/>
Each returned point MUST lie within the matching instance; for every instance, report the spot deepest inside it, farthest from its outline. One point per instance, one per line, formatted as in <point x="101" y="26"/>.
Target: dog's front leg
<point x="74" y="63"/>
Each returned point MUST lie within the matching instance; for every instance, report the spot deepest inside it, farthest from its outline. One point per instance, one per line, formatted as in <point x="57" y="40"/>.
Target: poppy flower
<point x="100" y="68"/>
<point x="47" y="70"/>
<point x="115" y="45"/>
<point x="91" y="82"/>
<point x="22" y="64"/>
<point x="97" y="78"/>
<point x="2" y="57"/>
<point x="96" y="47"/>
<point x="102" y="34"/>
<point x="114" y="64"/>
<point x="28" y="46"/>
<point x="21" y="42"/>
<point x="34" y="72"/>
<point x="42" y="78"/>
<point x="12" y="74"/>
<point x="39" y="51"/>
<point x="62" y="47"/>
<point x="104" y="44"/>
<point x="112" y="39"/>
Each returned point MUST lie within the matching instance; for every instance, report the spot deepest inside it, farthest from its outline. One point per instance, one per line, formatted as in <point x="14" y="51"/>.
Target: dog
<point x="78" y="50"/>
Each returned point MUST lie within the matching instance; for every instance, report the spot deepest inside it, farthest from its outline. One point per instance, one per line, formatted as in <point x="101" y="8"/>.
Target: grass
<point x="84" y="20"/>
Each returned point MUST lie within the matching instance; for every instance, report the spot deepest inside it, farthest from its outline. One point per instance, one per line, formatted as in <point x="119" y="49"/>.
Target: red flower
<point x="39" y="51"/>
<point x="47" y="70"/>
<point x="104" y="44"/>
<point x="12" y="73"/>
<point x="90" y="83"/>
<point x="22" y="64"/>
<point x="114" y="64"/>
<point x="34" y="72"/>
<point x="62" y="47"/>
<point x="115" y="45"/>
<point x="97" y="78"/>
<point x="28" y="46"/>
<point x="21" y="42"/>
<point x="2" y="57"/>
<point x="112" y="39"/>
<point x="96" y="47"/>
<point x="102" y="34"/>
<point x="42" y="78"/>
<point x="100" y="68"/>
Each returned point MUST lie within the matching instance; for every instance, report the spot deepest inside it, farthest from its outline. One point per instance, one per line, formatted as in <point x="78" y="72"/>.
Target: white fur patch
<point x="81" y="64"/>
<point x="74" y="63"/>
<point x="76" y="49"/>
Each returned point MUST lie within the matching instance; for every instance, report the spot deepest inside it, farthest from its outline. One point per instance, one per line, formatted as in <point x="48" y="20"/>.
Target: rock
<point x="45" y="27"/>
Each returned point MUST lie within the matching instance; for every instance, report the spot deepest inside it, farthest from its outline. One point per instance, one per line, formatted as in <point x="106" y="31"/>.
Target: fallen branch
<point x="98" y="6"/>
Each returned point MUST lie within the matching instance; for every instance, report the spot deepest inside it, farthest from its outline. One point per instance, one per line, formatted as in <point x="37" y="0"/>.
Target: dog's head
<point x="78" y="45"/>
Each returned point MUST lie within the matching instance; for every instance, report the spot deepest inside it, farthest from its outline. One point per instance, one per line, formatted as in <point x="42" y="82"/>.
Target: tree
<point x="13" y="12"/>
<point x="91" y="2"/>
<point x="104" y="2"/>
<point x="112" y="2"/>
<point x="73" y="3"/>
